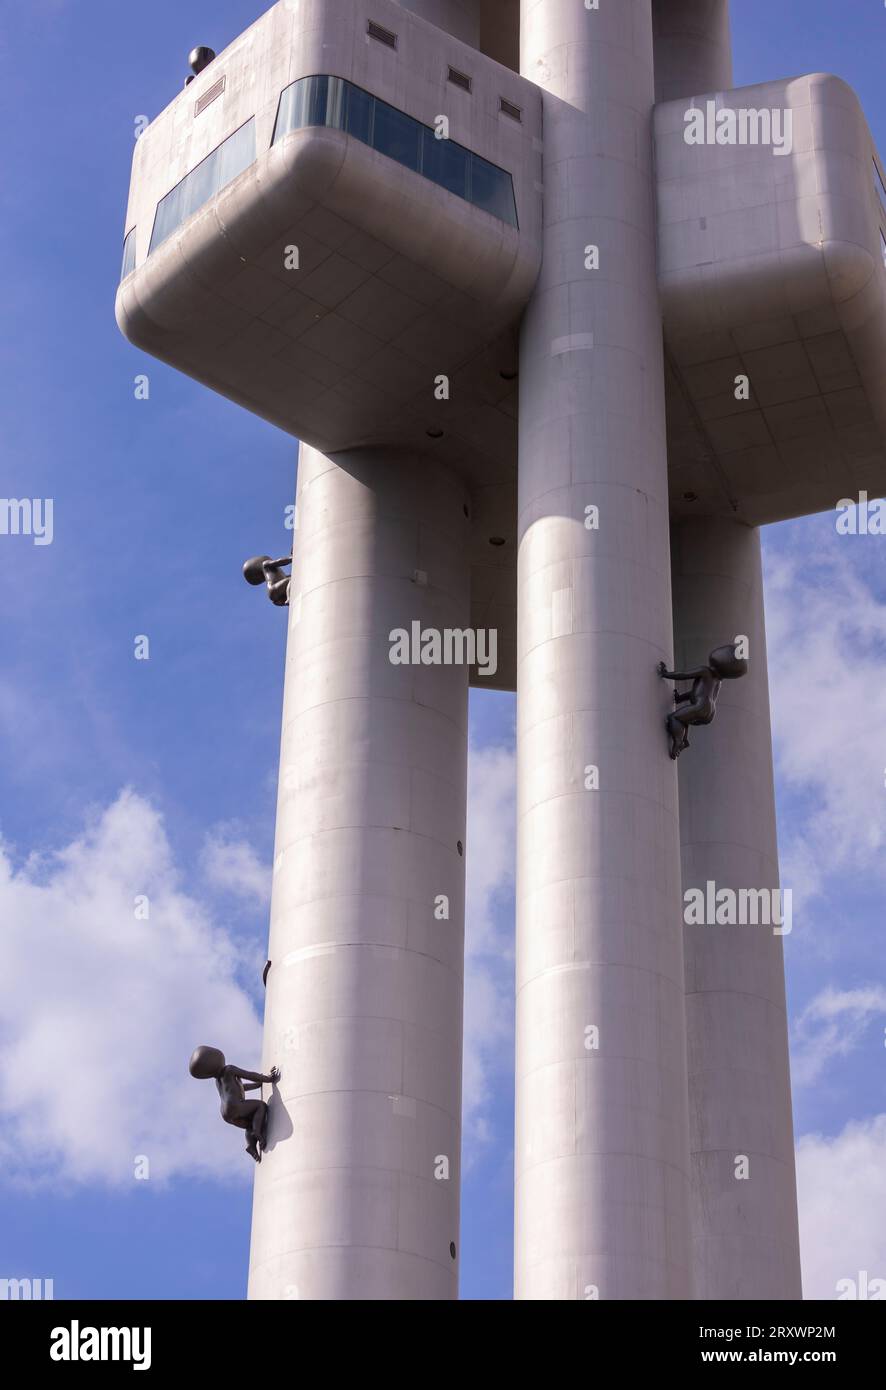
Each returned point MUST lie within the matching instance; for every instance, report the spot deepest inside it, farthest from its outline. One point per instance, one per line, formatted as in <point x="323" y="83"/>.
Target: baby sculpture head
<point x="206" y="1062"/>
<point x="727" y="664"/>
<point x="253" y="570"/>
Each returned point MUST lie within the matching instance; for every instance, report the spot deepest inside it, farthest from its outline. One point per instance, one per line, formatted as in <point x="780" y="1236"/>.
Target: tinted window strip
<point x="209" y="177"/>
<point x="128" y="254"/>
<point x="322" y="100"/>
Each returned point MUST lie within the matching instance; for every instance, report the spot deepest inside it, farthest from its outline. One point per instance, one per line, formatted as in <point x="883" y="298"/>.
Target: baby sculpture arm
<point x="681" y="675"/>
<point x="257" y="1079"/>
<point x="703" y="673"/>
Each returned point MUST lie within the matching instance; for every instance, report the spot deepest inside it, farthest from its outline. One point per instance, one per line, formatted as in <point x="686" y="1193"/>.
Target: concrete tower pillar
<point x="693" y="48"/>
<point x="745" y="1237"/>
<point x="460" y="18"/>
<point x="358" y="1193"/>
<point x="602" y="1163"/>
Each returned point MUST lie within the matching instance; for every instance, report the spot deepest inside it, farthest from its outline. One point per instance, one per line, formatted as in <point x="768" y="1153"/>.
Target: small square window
<point x="508" y="108"/>
<point x="459" y="79"/>
<point x="377" y="31"/>
<point x="210" y="96"/>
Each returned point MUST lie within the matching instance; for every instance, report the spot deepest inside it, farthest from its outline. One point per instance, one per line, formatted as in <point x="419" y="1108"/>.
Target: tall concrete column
<point x="460" y="18"/>
<point x="693" y="47"/>
<point x="745" y="1236"/>
<point x="358" y="1193"/>
<point x="602" y="1163"/>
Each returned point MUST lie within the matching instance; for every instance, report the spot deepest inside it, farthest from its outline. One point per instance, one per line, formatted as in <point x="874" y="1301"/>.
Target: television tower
<point x="561" y="319"/>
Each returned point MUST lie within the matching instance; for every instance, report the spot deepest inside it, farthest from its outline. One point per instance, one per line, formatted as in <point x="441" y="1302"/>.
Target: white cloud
<point x="832" y="1025"/>
<point x="827" y="668"/>
<point x="489" y="947"/>
<point x="99" y="1011"/>
<point x="842" y="1197"/>
<point x="231" y="864"/>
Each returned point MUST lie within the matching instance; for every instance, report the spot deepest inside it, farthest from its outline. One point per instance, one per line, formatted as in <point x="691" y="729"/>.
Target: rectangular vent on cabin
<point x="459" y="79"/>
<point x="509" y="109"/>
<point x="209" y="96"/>
<point x="375" y="31"/>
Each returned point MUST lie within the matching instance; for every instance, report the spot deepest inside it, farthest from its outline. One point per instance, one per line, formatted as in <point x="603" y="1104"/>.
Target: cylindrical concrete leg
<point x="358" y="1194"/>
<point x="693" y="48"/>
<point x="602" y="1162"/>
<point x="744" y="1200"/>
<point x="461" y="18"/>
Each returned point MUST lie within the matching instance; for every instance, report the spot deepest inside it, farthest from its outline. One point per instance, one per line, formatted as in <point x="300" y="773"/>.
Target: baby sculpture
<point x="252" y="1115"/>
<point x="261" y="569"/>
<point x="699" y="705"/>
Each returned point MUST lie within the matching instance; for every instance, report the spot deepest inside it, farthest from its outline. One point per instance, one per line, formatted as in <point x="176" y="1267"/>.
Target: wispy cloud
<point x="231" y="864"/>
<point x="101" y="1006"/>
<point x="833" y="1025"/>
<point x="827" y="665"/>
<point x="489" y="948"/>
<point x="842" y="1197"/>
<point x="113" y="969"/>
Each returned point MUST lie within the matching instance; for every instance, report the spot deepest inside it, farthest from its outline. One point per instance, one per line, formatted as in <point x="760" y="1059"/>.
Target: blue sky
<point x="117" y="772"/>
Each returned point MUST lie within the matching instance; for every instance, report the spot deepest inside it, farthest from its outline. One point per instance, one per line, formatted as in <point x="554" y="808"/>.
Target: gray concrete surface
<point x="601" y="1145"/>
<point x="745" y="1237"/>
<point x="364" y="996"/>
<point x="771" y="267"/>
<point x="744" y="1231"/>
<point x="693" y="47"/>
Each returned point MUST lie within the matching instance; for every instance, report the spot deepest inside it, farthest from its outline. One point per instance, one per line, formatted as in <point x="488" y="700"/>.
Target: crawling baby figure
<point x="699" y="705"/>
<point x="251" y="1115"/>
<point x="261" y="569"/>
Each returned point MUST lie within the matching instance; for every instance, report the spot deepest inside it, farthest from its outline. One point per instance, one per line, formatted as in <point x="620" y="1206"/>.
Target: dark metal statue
<point x="261" y="569"/>
<point x="251" y="1115"/>
<point x="200" y="58"/>
<point x="699" y="705"/>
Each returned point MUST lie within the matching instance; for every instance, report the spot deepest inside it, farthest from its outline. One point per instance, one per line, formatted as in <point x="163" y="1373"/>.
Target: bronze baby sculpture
<point x="261" y="569"/>
<point x="700" y="703"/>
<point x="251" y="1115"/>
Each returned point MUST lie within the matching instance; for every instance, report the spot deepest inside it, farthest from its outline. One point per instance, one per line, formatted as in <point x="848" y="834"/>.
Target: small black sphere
<point x="200" y="58"/>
